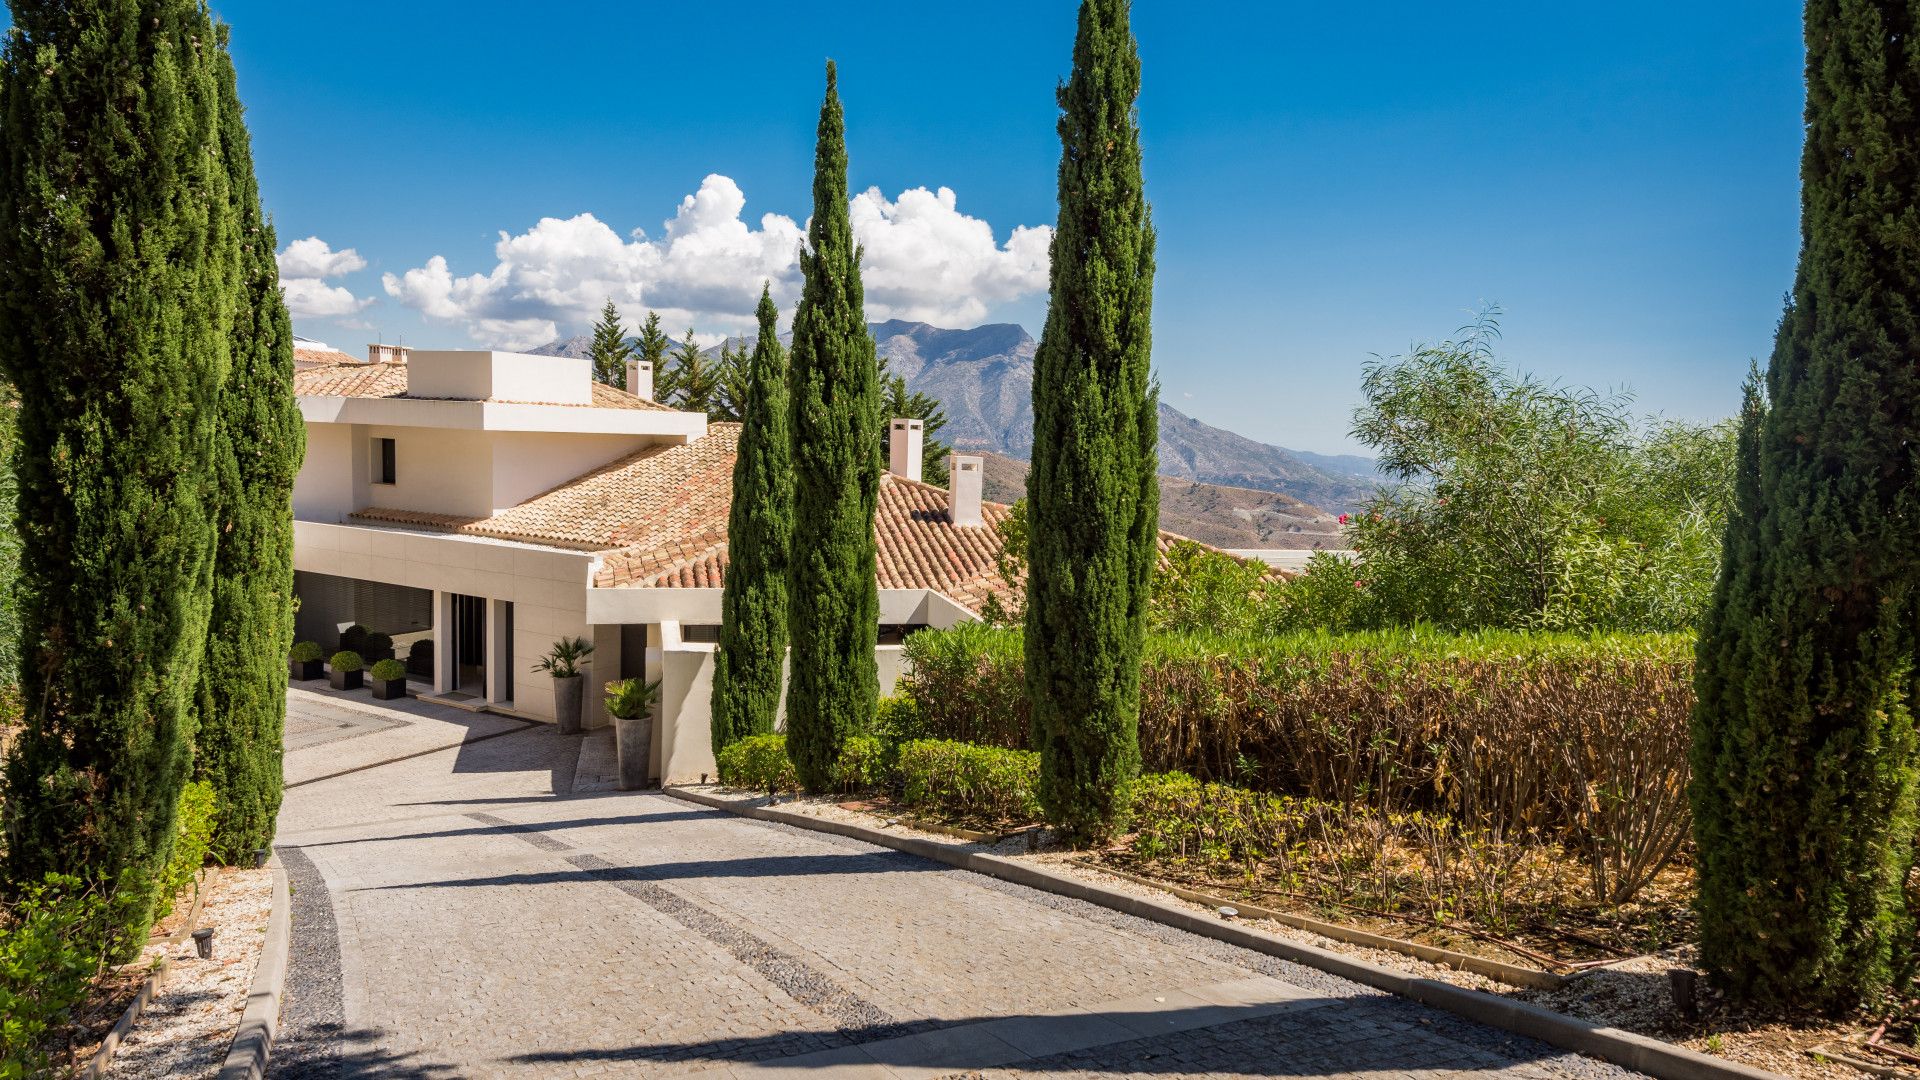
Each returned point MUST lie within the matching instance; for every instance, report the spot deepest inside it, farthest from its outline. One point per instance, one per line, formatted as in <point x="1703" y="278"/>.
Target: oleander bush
<point x="389" y="669"/>
<point x="53" y="941"/>
<point x="1583" y="738"/>
<point x="972" y="781"/>
<point x="758" y="762"/>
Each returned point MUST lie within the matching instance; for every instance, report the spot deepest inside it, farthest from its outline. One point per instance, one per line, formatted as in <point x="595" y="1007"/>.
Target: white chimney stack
<point x="386" y="354"/>
<point x="966" y="481"/>
<point x="906" y="447"/>
<point x="640" y="378"/>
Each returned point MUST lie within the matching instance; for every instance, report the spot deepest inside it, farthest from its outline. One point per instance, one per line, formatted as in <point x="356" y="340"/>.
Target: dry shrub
<point x="1513" y="735"/>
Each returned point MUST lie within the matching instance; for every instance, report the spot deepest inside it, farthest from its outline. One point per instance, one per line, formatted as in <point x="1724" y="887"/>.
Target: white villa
<point x="477" y="506"/>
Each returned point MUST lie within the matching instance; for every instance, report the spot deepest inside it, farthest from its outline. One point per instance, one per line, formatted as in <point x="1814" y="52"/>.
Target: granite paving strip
<point x="492" y="922"/>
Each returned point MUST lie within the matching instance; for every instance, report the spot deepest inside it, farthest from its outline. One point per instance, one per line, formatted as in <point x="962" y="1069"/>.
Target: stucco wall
<point x="324" y="489"/>
<point x="437" y="471"/>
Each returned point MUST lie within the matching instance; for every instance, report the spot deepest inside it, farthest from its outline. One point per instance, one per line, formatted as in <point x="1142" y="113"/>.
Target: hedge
<point x="973" y="781"/>
<point x="758" y="762"/>
<point x="1508" y="732"/>
<point x="52" y="945"/>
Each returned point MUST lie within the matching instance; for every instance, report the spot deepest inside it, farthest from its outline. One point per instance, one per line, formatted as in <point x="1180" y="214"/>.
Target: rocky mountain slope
<point x="983" y="378"/>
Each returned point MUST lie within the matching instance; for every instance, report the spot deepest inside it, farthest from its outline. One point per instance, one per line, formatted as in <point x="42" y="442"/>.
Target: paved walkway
<point x="467" y="912"/>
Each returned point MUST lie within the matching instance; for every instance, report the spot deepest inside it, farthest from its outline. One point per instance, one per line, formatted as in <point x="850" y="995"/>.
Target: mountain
<point x="1226" y="517"/>
<point x="983" y="378"/>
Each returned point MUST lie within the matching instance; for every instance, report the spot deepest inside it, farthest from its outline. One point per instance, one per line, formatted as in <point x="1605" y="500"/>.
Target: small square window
<point x="383" y="461"/>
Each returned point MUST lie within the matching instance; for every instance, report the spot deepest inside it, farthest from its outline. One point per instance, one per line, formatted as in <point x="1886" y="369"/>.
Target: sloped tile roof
<point x="357" y="380"/>
<point x="306" y="358"/>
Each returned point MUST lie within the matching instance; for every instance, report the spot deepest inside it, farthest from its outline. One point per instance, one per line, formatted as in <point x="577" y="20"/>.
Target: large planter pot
<point x="390" y="689"/>
<point x="567" y="694"/>
<point x="346" y="680"/>
<point x="303" y="670"/>
<point x="633" y="746"/>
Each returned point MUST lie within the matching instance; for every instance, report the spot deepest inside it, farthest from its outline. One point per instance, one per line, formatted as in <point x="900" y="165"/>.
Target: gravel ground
<point x="311" y="1013"/>
<point x="187" y="1029"/>
<point x="1632" y="995"/>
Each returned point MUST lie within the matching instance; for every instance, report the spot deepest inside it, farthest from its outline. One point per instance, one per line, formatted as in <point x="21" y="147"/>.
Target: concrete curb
<point x="1623" y="1048"/>
<point x="253" y="1042"/>
<point x="102" y="1059"/>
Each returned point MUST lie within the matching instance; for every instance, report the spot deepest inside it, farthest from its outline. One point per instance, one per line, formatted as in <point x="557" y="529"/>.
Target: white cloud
<point x="304" y="265"/>
<point x="925" y="260"/>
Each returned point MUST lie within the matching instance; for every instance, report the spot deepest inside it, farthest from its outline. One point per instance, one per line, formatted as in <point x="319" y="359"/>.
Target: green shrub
<point x="862" y="763"/>
<point x="192" y="836"/>
<point x="354" y="638"/>
<point x="1503" y="731"/>
<point x="379" y="643"/>
<point x="348" y="660"/>
<point x="389" y="669"/>
<point x="966" y="684"/>
<point x="973" y="781"/>
<point x="304" y="652"/>
<point x="52" y="947"/>
<point x="631" y="699"/>
<point x="758" y="762"/>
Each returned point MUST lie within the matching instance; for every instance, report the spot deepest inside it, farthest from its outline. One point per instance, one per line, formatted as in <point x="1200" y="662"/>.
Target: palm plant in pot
<point x="304" y="661"/>
<point x="348" y="670"/>
<point x="631" y="702"/>
<point x="563" y="663"/>
<point x="389" y="679"/>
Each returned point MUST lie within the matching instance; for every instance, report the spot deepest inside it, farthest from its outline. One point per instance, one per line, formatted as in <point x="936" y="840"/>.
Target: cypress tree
<point x="117" y="248"/>
<point x="753" y="620"/>
<point x="1803" y="758"/>
<point x="609" y="351"/>
<point x="651" y="345"/>
<point x="834" y="689"/>
<point x="1092" y="500"/>
<point x="259" y="440"/>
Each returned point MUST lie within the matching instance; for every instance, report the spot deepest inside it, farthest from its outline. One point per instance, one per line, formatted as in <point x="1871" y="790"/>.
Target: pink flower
<point x="1343" y="519"/>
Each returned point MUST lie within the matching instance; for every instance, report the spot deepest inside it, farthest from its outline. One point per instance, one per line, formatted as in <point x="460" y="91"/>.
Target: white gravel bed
<point x="186" y="1030"/>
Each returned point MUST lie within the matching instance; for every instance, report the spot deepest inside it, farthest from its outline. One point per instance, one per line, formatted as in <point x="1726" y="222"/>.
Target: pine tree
<point x="1092" y="500"/>
<point x="651" y="346"/>
<point x="1803" y="758"/>
<point x="688" y="381"/>
<point x="732" y="378"/>
<point x="899" y="402"/>
<point x="259" y="440"/>
<point x="117" y="252"/>
<point x="753" y="621"/>
<point x="834" y="688"/>
<point x="609" y="351"/>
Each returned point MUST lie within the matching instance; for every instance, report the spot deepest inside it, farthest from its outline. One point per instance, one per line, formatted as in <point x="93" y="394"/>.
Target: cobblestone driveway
<point x="461" y="912"/>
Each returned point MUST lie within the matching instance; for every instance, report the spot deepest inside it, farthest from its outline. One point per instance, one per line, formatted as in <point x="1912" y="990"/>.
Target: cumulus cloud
<point x="925" y="260"/>
<point x="304" y="266"/>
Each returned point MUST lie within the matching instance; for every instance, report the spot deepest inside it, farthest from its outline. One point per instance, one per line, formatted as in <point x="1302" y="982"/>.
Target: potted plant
<point x="304" y="661"/>
<point x="420" y="658"/>
<point x="563" y="663"/>
<point x="389" y="679"/>
<point x="631" y="702"/>
<point x="354" y="639"/>
<point x="347" y="673"/>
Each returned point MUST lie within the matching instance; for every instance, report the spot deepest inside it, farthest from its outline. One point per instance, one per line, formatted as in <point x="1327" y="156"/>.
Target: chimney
<point x="386" y="354"/>
<point x="640" y="378"/>
<point x="963" y="501"/>
<point x="906" y="445"/>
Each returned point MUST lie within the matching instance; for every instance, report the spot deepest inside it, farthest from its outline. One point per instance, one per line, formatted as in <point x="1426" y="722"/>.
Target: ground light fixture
<point x="203" y="942"/>
<point x="1227" y="912"/>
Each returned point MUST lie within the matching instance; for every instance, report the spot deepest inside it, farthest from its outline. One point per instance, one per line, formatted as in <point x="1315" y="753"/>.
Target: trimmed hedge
<point x="389" y="669"/>
<point x="304" y="652"/>
<point x="862" y="763"/>
<point x="192" y="839"/>
<point x="758" y="762"/>
<point x="348" y="660"/>
<point x="1508" y="732"/>
<point x="976" y="781"/>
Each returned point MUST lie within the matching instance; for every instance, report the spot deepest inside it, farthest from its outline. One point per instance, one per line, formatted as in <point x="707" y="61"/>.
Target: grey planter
<point x="566" y="703"/>
<point x="633" y="745"/>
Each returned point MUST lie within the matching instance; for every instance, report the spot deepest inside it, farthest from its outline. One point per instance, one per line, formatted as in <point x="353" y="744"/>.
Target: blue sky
<point x="1329" y="181"/>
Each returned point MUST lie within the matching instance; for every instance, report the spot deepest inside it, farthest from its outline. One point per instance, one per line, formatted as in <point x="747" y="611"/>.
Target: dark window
<point x="383" y="461"/>
<point x="702" y="634"/>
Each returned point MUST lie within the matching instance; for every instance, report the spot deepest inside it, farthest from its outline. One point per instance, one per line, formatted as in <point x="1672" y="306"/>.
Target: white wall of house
<point x="472" y="375"/>
<point x="435" y="471"/>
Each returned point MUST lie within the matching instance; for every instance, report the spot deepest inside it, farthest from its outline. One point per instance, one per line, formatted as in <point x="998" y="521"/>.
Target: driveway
<point x="473" y="908"/>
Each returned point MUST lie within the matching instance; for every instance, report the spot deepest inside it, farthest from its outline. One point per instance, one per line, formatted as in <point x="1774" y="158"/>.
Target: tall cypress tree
<point x="834" y="689"/>
<point x="753" y="620"/>
<point x="609" y="351"/>
<point x="259" y="441"/>
<point x="117" y="247"/>
<point x="1092" y="500"/>
<point x="1803" y="758"/>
